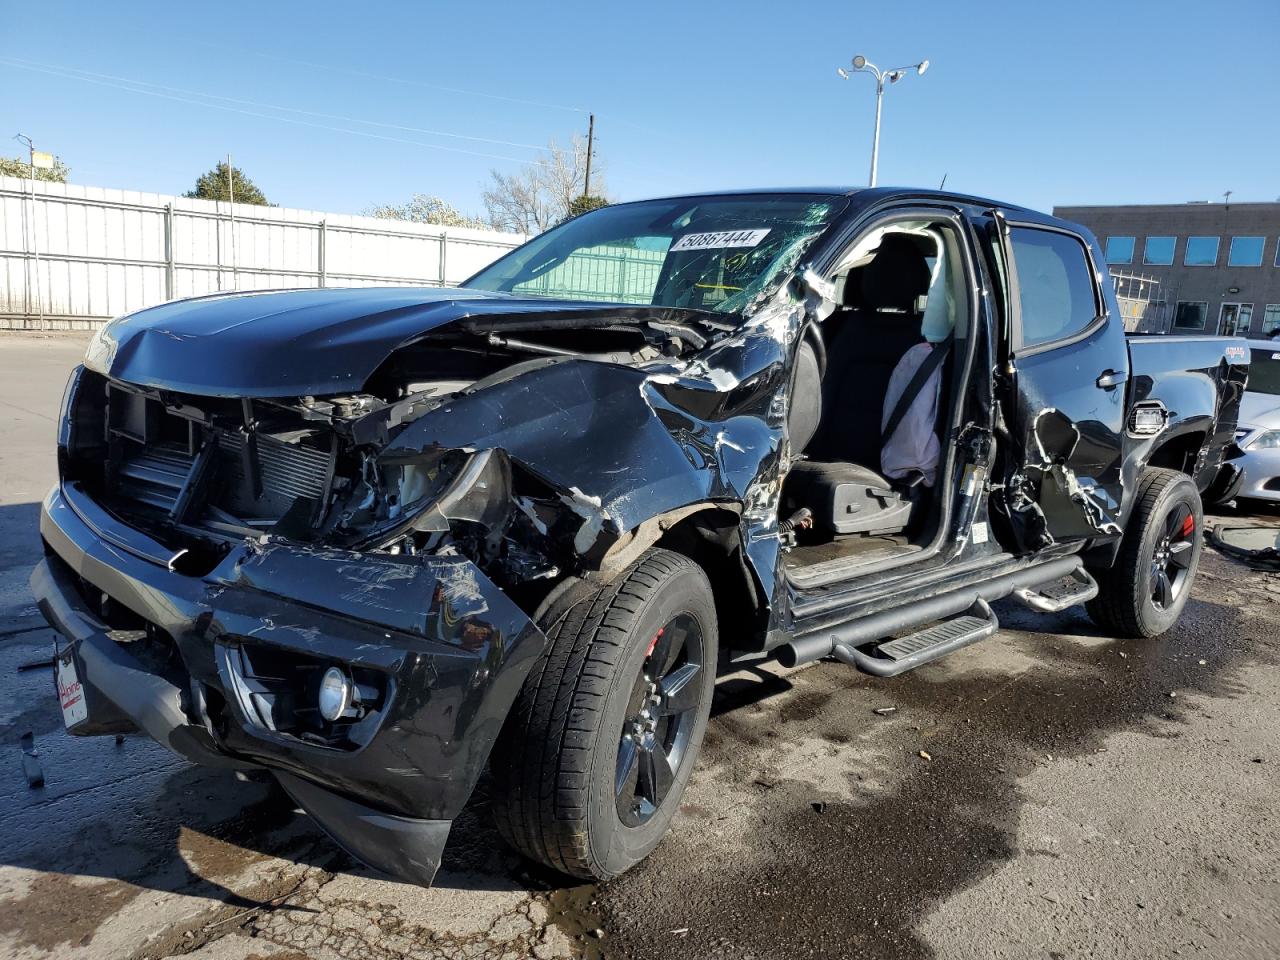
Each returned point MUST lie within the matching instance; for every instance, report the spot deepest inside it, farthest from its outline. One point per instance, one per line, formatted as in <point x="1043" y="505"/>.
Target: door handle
<point x="1111" y="378"/>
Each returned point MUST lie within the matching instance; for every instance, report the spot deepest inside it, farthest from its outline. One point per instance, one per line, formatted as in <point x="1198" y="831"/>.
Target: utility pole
<point x="231" y="197"/>
<point x="591" y="142"/>
<point x="35" y="233"/>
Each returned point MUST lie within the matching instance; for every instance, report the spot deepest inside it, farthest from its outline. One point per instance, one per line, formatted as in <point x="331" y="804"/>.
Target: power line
<point x="252" y="113"/>
<point x="331" y="68"/>
<point x="79" y="73"/>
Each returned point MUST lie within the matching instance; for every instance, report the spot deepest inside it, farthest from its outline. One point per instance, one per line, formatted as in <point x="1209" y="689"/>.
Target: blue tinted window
<point x="1119" y="249"/>
<point x="1055" y="285"/>
<point x="1159" y="250"/>
<point x="1245" y="252"/>
<point x="1201" y="252"/>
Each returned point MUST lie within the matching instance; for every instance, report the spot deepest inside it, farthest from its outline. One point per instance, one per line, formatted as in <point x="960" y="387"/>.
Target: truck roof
<point x="866" y="194"/>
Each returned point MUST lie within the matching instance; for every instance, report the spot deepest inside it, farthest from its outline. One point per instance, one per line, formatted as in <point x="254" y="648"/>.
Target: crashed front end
<point x="210" y="558"/>
<point x="202" y="588"/>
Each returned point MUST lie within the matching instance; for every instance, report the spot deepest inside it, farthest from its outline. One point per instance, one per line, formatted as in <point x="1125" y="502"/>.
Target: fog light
<point x="335" y="694"/>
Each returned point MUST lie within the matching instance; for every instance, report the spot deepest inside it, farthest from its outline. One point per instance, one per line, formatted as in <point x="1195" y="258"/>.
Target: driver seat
<point x="847" y="498"/>
<point x="843" y="498"/>
<point x="882" y="313"/>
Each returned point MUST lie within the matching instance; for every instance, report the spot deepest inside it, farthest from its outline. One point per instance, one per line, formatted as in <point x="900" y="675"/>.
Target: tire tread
<point x="1117" y="607"/>
<point x="541" y="764"/>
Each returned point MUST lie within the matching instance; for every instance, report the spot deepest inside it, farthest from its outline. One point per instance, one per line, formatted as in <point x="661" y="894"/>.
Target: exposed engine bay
<point x="202" y="473"/>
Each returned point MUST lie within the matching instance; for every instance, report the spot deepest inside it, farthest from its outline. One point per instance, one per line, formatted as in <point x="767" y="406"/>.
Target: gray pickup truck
<point x="373" y="541"/>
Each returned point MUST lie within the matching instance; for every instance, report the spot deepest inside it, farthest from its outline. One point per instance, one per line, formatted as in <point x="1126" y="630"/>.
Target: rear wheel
<point x="1144" y="592"/>
<point x="593" y="759"/>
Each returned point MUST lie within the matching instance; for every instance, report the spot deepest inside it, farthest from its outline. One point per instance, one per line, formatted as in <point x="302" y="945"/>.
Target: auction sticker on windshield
<point x="720" y="240"/>
<point x="71" y="692"/>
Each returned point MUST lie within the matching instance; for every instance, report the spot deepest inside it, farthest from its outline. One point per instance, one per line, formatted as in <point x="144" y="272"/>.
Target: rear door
<point x="1066" y="365"/>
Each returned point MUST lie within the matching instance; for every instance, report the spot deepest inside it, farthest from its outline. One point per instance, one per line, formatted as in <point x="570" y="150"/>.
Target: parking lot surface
<point x="1051" y="792"/>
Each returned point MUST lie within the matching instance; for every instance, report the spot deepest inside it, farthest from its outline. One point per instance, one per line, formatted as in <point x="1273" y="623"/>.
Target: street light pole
<point x="862" y="65"/>
<point x="875" y="137"/>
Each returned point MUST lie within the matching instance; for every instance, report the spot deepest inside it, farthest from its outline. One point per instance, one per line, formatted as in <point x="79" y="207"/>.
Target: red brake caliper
<point x="653" y="643"/>
<point x="1188" y="525"/>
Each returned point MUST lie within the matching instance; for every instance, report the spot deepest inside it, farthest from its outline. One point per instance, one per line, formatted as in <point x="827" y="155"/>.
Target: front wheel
<point x="1144" y="592"/>
<point x="595" y="754"/>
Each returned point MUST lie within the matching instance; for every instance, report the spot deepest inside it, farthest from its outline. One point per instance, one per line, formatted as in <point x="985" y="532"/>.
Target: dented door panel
<point x="1065" y="404"/>
<point x="1071" y="434"/>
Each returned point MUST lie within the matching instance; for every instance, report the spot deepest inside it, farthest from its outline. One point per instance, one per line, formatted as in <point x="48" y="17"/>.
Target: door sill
<point x="874" y="557"/>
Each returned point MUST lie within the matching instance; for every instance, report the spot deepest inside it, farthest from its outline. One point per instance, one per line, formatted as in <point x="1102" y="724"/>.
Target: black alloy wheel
<point x="596" y="752"/>
<point x="1171" y="560"/>
<point x="660" y="718"/>
<point x="1142" y="593"/>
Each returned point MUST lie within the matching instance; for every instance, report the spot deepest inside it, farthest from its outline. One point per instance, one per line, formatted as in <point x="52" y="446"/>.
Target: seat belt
<point x="914" y="387"/>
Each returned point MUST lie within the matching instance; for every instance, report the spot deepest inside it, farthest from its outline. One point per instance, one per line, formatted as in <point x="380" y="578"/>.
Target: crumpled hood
<point x="291" y="343"/>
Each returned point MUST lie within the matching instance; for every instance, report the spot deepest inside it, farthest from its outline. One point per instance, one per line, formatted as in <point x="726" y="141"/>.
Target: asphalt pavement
<point x="1051" y="792"/>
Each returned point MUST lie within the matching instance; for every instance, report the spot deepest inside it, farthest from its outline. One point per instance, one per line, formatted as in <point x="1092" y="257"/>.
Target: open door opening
<point x="872" y="402"/>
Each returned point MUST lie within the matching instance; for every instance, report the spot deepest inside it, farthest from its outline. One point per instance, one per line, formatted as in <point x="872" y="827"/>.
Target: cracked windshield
<point x="698" y="253"/>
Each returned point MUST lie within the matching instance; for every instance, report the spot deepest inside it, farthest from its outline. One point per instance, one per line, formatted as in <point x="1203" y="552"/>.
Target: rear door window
<point x="1056" y="292"/>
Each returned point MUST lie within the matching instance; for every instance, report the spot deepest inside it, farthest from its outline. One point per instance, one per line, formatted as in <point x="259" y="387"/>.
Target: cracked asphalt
<point x="1051" y="792"/>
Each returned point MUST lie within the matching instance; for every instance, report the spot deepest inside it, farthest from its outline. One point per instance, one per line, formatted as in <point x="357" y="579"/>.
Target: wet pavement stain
<point x="40" y="918"/>
<point x="854" y="879"/>
<point x="575" y="910"/>
<point x="186" y="843"/>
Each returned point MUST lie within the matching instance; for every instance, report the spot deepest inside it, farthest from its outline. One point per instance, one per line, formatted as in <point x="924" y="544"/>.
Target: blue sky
<point x="1031" y="102"/>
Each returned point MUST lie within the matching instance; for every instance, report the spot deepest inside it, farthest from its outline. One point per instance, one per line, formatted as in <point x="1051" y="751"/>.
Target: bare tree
<point x="544" y="192"/>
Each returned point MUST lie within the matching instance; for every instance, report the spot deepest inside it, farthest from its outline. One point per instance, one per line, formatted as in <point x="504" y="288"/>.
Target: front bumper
<point x="450" y="649"/>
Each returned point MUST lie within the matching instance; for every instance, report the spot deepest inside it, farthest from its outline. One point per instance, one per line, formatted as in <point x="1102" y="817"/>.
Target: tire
<point x="1144" y="592"/>
<point x="586" y="714"/>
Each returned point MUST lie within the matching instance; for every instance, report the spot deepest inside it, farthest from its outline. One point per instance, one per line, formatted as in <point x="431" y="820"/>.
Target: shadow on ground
<point x="852" y="872"/>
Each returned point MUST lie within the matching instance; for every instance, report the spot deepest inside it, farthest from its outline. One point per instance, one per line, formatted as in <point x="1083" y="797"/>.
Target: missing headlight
<point x="428" y="496"/>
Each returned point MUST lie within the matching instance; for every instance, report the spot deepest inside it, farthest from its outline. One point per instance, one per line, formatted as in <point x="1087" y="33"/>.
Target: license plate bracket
<point x="71" y="694"/>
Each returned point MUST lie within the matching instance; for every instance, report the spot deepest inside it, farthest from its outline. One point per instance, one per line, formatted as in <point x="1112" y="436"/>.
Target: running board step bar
<point x="906" y="653"/>
<point x="814" y="644"/>
<point x="1053" y="596"/>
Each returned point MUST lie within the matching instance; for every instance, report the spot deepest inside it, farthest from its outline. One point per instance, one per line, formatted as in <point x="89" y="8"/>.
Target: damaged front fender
<point x="620" y="446"/>
<point x="627" y="451"/>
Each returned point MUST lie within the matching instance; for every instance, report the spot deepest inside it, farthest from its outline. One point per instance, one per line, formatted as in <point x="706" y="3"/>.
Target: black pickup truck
<point x="374" y="541"/>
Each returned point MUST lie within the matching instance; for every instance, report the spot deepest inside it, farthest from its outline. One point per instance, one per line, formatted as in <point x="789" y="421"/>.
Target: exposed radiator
<point x="154" y="475"/>
<point x="288" y="470"/>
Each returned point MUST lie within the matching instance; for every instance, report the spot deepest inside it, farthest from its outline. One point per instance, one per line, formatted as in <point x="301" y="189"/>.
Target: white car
<point x="1258" y="433"/>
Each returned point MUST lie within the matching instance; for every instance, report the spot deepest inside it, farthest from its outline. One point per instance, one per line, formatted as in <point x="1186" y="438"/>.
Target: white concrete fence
<point x="72" y="257"/>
